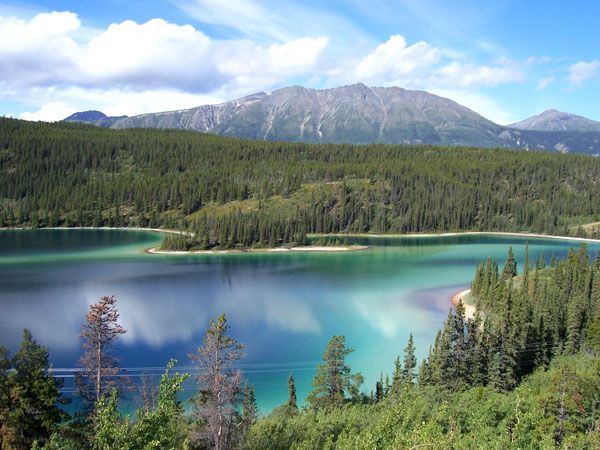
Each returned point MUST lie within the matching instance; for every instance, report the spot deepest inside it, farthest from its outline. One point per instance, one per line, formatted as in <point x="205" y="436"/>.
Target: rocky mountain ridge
<point x="355" y="114"/>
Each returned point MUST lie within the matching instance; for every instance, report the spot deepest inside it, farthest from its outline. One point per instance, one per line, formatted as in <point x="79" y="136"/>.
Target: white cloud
<point x="154" y="54"/>
<point x="131" y="68"/>
<point x="39" y="50"/>
<point x="582" y="71"/>
<point x="480" y="103"/>
<point x="457" y="74"/>
<point x="245" y="15"/>
<point x="424" y="66"/>
<point x="249" y="67"/>
<point x="543" y="83"/>
<point x="144" y="67"/>
<point x="273" y="20"/>
<point x="49" y="112"/>
<point x="56" y="104"/>
<point x="394" y="60"/>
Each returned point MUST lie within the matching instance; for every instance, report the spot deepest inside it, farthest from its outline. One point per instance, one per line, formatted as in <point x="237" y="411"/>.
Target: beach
<point x="469" y="309"/>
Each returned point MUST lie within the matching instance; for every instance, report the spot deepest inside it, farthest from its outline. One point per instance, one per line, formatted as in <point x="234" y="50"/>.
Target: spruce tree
<point x="410" y="361"/>
<point x="510" y="266"/>
<point x="396" y="388"/>
<point x="292" y="403"/>
<point x="379" y="389"/>
<point x="33" y="396"/>
<point x="334" y="380"/>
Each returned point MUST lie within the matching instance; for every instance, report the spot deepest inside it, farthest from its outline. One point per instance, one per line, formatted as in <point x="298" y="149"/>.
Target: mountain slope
<point x="355" y="114"/>
<point x="553" y="120"/>
<point x="348" y="114"/>
<point x="95" y="117"/>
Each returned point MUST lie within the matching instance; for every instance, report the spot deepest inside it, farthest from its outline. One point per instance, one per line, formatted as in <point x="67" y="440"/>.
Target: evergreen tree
<point x="379" y="394"/>
<point x="32" y="396"/>
<point x="249" y="413"/>
<point x="292" y="400"/>
<point x="410" y="361"/>
<point x="5" y="397"/>
<point x="397" y="378"/>
<point x="334" y="380"/>
<point x="510" y="266"/>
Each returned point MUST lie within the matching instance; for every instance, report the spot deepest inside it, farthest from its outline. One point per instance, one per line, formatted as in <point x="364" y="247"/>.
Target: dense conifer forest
<point x="241" y="193"/>
<point x="522" y="372"/>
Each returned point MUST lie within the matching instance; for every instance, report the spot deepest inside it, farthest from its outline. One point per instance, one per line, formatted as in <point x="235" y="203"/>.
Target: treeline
<point x="522" y="322"/>
<point x="522" y="372"/>
<point x="223" y="408"/>
<point x="235" y="193"/>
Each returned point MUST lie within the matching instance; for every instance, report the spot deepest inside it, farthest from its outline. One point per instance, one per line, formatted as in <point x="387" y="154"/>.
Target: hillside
<point x="240" y="193"/>
<point x="355" y="114"/>
<point x="553" y="120"/>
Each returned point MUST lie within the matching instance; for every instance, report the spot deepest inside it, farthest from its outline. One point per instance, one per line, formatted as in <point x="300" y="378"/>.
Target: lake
<point x="283" y="306"/>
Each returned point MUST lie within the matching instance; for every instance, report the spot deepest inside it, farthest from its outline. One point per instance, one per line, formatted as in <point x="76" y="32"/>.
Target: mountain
<point x="553" y="120"/>
<point x="94" y="117"/>
<point x="355" y="114"/>
<point x="348" y="114"/>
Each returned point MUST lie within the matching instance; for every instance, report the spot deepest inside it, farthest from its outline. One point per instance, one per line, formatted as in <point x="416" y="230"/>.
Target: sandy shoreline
<point x="365" y="235"/>
<point x="464" y="233"/>
<point x="315" y="248"/>
<point x="155" y="230"/>
<point x="312" y="248"/>
<point x="469" y="309"/>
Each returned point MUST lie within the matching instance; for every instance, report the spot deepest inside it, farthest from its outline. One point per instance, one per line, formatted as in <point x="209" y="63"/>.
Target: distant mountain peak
<point x="554" y="120"/>
<point x="94" y="117"/>
<point x="359" y="114"/>
<point x="86" y="116"/>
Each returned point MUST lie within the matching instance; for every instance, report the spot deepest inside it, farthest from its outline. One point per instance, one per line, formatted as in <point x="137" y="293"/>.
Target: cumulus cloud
<point x="60" y="103"/>
<point x="140" y="67"/>
<point x="580" y="72"/>
<point x="49" y="112"/>
<point x="40" y="50"/>
<point x="132" y="68"/>
<point x="424" y="66"/>
<point x="395" y="60"/>
<point x="457" y="74"/>
<point x="154" y="54"/>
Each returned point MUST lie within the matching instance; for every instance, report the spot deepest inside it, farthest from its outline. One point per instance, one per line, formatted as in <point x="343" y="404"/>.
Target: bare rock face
<point x="356" y="114"/>
<point x="553" y="120"/>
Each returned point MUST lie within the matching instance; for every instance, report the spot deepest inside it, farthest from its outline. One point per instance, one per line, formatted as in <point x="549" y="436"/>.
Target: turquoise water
<point x="283" y="306"/>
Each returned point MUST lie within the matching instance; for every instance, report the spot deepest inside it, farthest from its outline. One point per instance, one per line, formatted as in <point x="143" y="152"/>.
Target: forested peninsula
<point x="229" y="193"/>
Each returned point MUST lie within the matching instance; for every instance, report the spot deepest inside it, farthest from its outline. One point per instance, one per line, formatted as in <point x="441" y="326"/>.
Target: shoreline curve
<point x="459" y="296"/>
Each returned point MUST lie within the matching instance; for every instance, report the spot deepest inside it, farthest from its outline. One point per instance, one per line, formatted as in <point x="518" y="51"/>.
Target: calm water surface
<point x="283" y="306"/>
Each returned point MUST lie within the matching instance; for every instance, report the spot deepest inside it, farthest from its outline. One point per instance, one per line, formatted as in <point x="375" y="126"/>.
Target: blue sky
<point x="506" y="59"/>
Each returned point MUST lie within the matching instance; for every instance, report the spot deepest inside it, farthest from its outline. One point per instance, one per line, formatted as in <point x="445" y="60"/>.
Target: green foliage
<point x="593" y="335"/>
<point x="480" y="417"/>
<point x="110" y="430"/>
<point x="500" y="379"/>
<point x="334" y="381"/>
<point x="162" y="427"/>
<point x="241" y="193"/>
<point x="292" y="403"/>
<point x="29" y="396"/>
